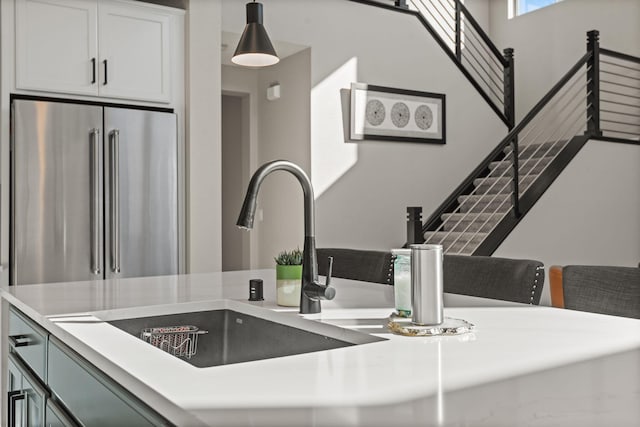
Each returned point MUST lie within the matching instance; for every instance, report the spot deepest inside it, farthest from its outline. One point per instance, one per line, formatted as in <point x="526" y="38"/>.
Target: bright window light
<point x="525" y="6"/>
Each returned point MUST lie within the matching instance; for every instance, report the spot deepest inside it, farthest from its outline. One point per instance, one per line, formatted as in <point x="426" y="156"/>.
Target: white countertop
<point x="516" y="367"/>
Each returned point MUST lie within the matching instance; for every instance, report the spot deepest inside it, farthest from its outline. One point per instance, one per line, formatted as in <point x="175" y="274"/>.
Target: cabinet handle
<point x="115" y="201"/>
<point x="14" y="396"/>
<point x="20" y="340"/>
<point x="105" y="71"/>
<point x="95" y="207"/>
<point x="93" y="70"/>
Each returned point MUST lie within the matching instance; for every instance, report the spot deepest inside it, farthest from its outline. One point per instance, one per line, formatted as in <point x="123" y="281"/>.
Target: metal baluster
<point x="593" y="87"/>
<point x="509" y="89"/>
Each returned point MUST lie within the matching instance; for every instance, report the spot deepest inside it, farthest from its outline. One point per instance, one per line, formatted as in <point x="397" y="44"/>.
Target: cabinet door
<point x="134" y="52"/>
<point x="26" y="397"/>
<point x="91" y="397"/>
<point x="28" y="341"/>
<point x="35" y="399"/>
<point x="15" y="395"/>
<point x="56" y="46"/>
<point x="56" y="416"/>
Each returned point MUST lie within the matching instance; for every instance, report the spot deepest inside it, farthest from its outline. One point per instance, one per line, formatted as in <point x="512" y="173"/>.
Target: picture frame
<point x="391" y="114"/>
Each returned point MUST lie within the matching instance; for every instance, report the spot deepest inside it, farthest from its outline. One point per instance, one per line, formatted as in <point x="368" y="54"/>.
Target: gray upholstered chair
<point x="488" y="277"/>
<point x="517" y="280"/>
<point x="367" y="266"/>
<point x="598" y="289"/>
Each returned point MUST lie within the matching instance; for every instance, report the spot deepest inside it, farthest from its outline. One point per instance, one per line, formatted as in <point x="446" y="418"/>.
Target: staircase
<point x="600" y="90"/>
<point x="598" y="98"/>
<point x="480" y="211"/>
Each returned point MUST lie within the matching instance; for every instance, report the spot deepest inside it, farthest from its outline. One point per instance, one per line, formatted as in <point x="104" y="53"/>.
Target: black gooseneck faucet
<point x="312" y="290"/>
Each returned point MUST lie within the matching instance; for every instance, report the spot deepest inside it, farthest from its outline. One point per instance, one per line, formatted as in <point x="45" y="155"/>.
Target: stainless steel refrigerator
<point x="94" y="192"/>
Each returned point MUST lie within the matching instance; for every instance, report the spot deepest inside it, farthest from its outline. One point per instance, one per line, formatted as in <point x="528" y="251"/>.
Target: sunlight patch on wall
<point x="331" y="157"/>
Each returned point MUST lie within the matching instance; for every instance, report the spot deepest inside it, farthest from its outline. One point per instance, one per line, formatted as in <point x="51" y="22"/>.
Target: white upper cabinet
<point x="134" y="52"/>
<point x="57" y="46"/>
<point x="106" y="48"/>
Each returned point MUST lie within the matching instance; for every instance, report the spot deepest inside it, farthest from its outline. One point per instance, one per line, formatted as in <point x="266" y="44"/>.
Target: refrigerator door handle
<point x="95" y="203"/>
<point x="115" y="200"/>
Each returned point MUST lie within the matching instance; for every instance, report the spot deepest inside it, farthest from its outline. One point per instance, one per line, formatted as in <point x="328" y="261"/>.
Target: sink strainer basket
<point x="181" y="341"/>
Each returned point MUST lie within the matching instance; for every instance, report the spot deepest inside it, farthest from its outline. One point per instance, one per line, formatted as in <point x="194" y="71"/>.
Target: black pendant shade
<point x="254" y="48"/>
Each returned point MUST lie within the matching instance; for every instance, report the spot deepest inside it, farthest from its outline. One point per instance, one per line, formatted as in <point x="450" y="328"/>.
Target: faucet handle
<point x="318" y="290"/>
<point x="327" y="283"/>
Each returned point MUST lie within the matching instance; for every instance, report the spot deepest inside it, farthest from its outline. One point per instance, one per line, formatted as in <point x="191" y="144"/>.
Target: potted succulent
<point x="288" y="277"/>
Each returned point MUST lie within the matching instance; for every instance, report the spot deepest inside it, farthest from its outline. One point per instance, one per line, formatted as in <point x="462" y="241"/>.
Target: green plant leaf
<point x="293" y="257"/>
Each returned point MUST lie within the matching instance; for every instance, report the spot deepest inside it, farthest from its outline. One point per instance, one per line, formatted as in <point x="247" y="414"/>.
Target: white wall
<point x="480" y="9"/>
<point x="590" y="214"/>
<point x="362" y="189"/>
<point x="284" y="126"/>
<point x="550" y="40"/>
<point x="282" y="132"/>
<point x="203" y="150"/>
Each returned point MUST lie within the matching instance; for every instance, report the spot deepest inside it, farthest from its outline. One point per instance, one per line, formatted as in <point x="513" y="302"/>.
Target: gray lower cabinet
<point x="28" y="341"/>
<point x="93" y="398"/>
<point x="56" y="416"/>
<point x="49" y="385"/>
<point x="27" y="397"/>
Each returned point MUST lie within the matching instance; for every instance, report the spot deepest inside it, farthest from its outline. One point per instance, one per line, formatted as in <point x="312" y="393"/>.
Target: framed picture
<point x="389" y="114"/>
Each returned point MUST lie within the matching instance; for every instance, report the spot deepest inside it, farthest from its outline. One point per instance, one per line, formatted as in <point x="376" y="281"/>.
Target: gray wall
<point x="243" y="82"/>
<point x="590" y="215"/>
<point x="235" y="129"/>
<point x="284" y="127"/>
<point x="280" y="129"/>
<point x="480" y="9"/>
<point x="362" y="188"/>
<point x="203" y="129"/>
<point x="550" y="40"/>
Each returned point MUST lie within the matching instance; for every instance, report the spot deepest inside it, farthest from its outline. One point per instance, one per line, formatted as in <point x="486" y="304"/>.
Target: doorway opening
<point x="235" y="166"/>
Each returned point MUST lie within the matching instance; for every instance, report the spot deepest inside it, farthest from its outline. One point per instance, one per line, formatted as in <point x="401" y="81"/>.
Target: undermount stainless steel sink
<point x="237" y="332"/>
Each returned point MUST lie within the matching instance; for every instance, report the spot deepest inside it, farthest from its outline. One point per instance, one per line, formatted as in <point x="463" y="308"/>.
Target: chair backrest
<point x="555" y="286"/>
<point x="602" y="289"/>
<point x="517" y="280"/>
<point x="367" y="266"/>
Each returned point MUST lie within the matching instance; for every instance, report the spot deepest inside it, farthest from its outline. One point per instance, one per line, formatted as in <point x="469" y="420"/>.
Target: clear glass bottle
<point x="402" y="281"/>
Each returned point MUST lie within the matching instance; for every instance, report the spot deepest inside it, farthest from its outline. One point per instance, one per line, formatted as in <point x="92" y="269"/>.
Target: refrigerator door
<point x="141" y="193"/>
<point x="57" y="192"/>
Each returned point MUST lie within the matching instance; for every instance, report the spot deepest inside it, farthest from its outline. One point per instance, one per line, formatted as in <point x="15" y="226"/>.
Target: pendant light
<point x="254" y="48"/>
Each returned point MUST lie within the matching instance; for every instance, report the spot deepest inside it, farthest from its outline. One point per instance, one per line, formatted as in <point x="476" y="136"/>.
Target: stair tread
<point x="486" y="197"/>
<point x="471" y="216"/>
<point x="537" y="144"/>
<point x="503" y="178"/>
<point x="547" y="144"/>
<point x="456" y="235"/>
<point x="530" y="160"/>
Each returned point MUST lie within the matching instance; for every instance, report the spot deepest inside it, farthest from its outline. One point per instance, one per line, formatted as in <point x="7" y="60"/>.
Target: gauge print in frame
<point x="392" y="114"/>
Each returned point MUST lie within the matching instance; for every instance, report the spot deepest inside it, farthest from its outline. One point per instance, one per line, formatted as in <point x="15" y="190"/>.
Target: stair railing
<point x="491" y="70"/>
<point x="619" y="97"/>
<point x="469" y="47"/>
<point x="547" y="121"/>
<point x="572" y="107"/>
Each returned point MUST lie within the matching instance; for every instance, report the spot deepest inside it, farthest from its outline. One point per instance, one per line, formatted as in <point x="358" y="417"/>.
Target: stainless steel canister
<point x="426" y="284"/>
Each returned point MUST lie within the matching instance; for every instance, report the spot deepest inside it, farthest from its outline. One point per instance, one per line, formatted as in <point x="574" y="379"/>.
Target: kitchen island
<point x="521" y="365"/>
